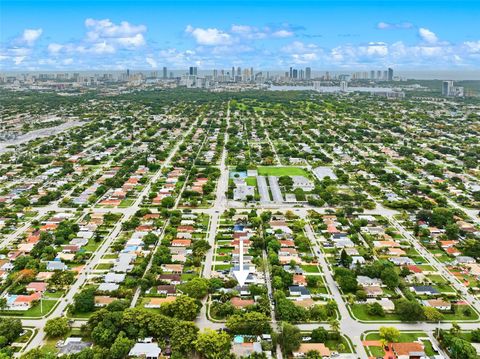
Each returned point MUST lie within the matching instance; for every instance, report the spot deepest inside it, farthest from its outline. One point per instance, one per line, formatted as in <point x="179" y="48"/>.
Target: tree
<point x="251" y="323"/>
<point x="409" y="311"/>
<point x="121" y="346"/>
<point x="213" y="345"/>
<point x="389" y="334"/>
<point x="432" y="314"/>
<point x="39" y="354"/>
<point x="390" y="277"/>
<point x="57" y="327"/>
<point x="184" y="308"/>
<point x="10" y="329"/>
<point x="168" y="202"/>
<point x="319" y="335"/>
<point x="290" y="338"/>
<point x="375" y="309"/>
<point x="334" y="326"/>
<point x="183" y="337"/>
<point x="84" y="301"/>
<point x="313" y="354"/>
<point x="196" y="288"/>
<point x="476" y="336"/>
<point x="3" y="303"/>
<point x="461" y="349"/>
<point x="345" y="259"/>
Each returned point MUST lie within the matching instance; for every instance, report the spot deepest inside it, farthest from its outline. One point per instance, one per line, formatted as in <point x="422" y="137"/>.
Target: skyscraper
<point x="164" y="72"/>
<point x="295" y="73"/>
<point x="193" y="71"/>
<point x="291" y="72"/>
<point x="372" y="75"/>
<point x="390" y="74"/>
<point x="447" y="88"/>
<point x="308" y="73"/>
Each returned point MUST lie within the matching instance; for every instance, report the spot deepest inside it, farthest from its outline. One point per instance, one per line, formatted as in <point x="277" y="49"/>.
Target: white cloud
<point x="30" y="36"/>
<point x="101" y="48"/>
<point x="301" y="53"/>
<point x="282" y="33"/>
<point x="54" y="48"/>
<point x="151" y="61"/>
<point x="472" y="46"/>
<point x="210" y="36"/>
<point x="427" y="35"/>
<point x="103" y="37"/>
<point x="100" y="29"/>
<point x="394" y="26"/>
<point x="18" y="59"/>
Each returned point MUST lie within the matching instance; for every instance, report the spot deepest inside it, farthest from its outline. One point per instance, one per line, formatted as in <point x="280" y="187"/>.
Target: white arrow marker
<point x="241" y="275"/>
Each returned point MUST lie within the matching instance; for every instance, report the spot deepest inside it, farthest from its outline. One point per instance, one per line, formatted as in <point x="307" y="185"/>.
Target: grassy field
<point x="310" y="268"/>
<point x="360" y="312"/>
<point x="281" y="171"/>
<point x="35" y="311"/>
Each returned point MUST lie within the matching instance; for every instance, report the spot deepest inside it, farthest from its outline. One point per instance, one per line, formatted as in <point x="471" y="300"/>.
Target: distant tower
<point x="390" y="74"/>
<point x="164" y="72"/>
<point x="308" y="73"/>
<point x="447" y="88"/>
<point x="291" y="72"/>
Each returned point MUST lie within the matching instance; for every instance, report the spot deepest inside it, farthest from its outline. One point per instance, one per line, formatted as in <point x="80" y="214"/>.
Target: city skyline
<point x="115" y="35"/>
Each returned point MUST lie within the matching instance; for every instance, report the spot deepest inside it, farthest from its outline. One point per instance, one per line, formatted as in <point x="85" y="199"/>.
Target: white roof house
<point x="303" y="183"/>
<point x="145" y="350"/>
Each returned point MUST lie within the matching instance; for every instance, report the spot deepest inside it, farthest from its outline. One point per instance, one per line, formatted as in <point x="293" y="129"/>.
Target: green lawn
<point x="251" y="181"/>
<point x="222" y="266"/>
<point x="281" y="171"/>
<point x="360" y="312"/>
<point x="35" y="311"/>
<point x="104" y="266"/>
<point x="126" y="203"/>
<point x="310" y="268"/>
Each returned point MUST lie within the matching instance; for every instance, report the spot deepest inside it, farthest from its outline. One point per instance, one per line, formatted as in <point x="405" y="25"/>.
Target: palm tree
<point x="334" y="325"/>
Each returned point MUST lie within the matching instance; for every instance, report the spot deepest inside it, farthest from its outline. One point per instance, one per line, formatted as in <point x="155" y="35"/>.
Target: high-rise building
<point x="343" y="86"/>
<point x="215" y="74"/>
<point x="379" y="75"/>
<point x="390" y="74"/>
<point x="372" y="75"/>
<point x="295" y="73"/>
<point x="308" y="73"/>
<point x="447" y="88"/>
<point x="193" y="71"/>
<point x="291" y="72"/>
<point x="164" y="72"/>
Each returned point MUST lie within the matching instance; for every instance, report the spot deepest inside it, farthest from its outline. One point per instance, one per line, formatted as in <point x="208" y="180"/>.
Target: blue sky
<point x="326" y="35"/>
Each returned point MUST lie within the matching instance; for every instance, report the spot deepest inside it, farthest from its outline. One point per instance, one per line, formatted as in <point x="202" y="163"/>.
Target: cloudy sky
<point x="267" y="34"/>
